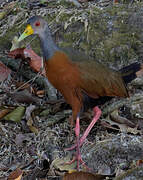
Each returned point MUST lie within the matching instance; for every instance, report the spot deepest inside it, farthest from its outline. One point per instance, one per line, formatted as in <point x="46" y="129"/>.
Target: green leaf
<point x="45" y="112"/>
<point x="15" y="115"/>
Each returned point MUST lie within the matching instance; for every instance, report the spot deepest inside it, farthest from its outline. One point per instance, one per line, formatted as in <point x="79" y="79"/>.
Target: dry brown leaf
<point x="3" y="112"/>
<point x="4" y="72"/>
<point x="25" y="97"/>
<point x="35" y="61"/>
<point x="16" y="175"/>
<point x="123" y="127"/>
<point x="40" y="93"/>
<point x="122" y="120"/>
<point x="82" y="176"/>
<point x="17" y="53"/>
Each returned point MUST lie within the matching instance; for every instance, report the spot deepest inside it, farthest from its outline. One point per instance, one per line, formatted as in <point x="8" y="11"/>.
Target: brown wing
<point x="98" y="80"/>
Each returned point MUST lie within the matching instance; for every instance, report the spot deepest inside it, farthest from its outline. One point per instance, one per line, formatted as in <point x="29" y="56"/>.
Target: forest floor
<point x="34" y="117"/>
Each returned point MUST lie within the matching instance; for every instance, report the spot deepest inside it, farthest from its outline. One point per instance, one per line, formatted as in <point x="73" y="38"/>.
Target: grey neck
<point x="48" y="45"/>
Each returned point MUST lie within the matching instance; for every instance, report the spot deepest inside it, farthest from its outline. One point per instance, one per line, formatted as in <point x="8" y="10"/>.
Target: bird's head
<point x="35" y="25"/>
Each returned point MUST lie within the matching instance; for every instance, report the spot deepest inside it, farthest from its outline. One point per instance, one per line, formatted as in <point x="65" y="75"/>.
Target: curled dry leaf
<point x="36" y="62"/>
<point x="122" y="120"/>
<point x="122" y="127"/>
<point x="4" y="72"/>
<point x="17" y="53"/>
<point x="16" y="175"/>
<point x="25" y="54"/>
<point x="3" y="112"/>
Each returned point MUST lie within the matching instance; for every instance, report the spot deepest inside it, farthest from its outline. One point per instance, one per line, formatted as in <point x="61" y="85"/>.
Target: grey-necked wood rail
<point x="79" y="78"/>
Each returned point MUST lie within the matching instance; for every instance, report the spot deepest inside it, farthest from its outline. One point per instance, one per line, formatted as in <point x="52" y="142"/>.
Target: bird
<point x="83" y="81"/>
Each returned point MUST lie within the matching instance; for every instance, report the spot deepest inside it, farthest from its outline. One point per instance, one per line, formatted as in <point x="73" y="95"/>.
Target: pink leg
<point x="78" y="154"/>
<point x="77" y="132"/>
<point x="97" y="115"/>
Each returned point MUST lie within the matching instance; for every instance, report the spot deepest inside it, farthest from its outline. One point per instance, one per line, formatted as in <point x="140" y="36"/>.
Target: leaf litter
<point x="40" y="133"/>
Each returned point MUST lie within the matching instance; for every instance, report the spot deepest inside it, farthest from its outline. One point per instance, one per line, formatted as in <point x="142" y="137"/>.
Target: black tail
<point x="130" y="72"/>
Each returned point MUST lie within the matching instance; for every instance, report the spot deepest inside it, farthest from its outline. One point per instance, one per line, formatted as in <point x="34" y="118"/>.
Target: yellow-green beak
<point x="28" y="31"/>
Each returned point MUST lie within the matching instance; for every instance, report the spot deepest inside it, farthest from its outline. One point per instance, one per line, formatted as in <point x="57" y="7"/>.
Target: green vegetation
<point x="109" y="35"/>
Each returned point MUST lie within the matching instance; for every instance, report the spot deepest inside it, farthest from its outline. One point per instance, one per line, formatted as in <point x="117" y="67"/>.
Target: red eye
<point x="37" y="23"/>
